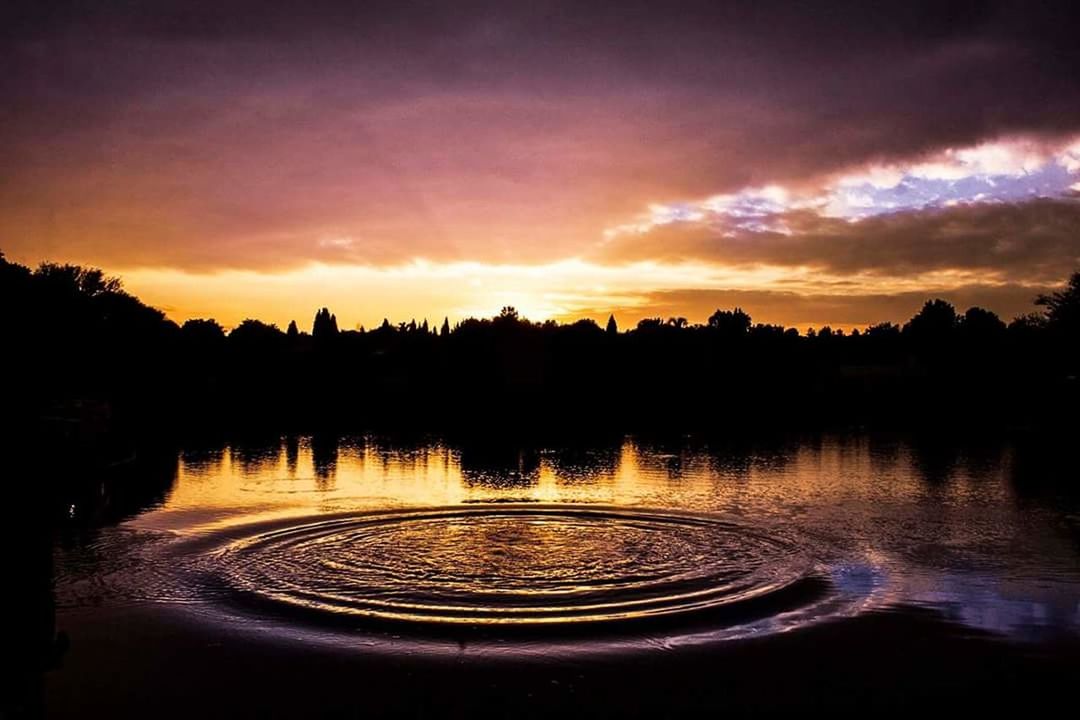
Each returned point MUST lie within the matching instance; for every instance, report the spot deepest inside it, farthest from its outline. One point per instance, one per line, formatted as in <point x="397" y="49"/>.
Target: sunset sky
<point x="814" y="163"/>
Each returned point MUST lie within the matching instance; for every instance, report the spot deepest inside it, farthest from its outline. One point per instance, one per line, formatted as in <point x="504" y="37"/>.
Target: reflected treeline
<point x="324" y="456"/>
<point x="292" y="454"/>
<point x="51" y="498"/>
<point x="499" y="465"/>
<point x="1044" y="474"/>
<point x="494" y="463"/>
<point x="731" y="456"/>
<point x="99" y="497"/>
<point x="1035" y="471"/>
<point x="579" y="464"/>
<point x="940" y="459"/>
<point x="32" y="645"/>
<point x="936" y="460"/>
<point x="509" y="465"/>
<point x="94" y="362"/>
<point x="255" y="455"/>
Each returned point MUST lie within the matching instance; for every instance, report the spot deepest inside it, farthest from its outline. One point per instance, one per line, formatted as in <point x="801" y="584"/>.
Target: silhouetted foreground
<point x="839" y="671"/>
<point x="92" y="363"/>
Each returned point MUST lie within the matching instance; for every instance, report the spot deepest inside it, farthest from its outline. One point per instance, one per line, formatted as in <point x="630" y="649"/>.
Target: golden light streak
<point x="566" y="290"/>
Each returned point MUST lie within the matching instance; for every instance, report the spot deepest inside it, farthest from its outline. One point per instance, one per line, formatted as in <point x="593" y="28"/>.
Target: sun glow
<point x="565" y="291"/>
<point x="364" y="295"/>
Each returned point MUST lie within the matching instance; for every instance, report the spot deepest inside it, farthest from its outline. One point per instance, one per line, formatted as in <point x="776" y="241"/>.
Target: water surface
<point x="296" y="534"/>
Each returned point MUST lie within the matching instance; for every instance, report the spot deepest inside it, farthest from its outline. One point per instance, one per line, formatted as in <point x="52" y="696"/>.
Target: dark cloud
<point x="788" y="86"/>
<point x="1035" y="241"/>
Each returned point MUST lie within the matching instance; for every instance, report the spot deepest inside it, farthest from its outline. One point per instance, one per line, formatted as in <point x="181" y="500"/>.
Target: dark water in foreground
<point x="421" y="574"/>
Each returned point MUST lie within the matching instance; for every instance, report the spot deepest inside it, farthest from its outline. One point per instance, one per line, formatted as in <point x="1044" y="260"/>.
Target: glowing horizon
<point x="563" y="291"/>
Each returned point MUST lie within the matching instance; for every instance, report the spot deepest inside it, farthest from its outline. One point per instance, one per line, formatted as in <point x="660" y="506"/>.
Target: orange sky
<point x="389" y="163"/>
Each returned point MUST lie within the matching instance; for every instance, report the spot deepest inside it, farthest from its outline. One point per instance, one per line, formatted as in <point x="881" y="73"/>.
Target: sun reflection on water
<point x="887" y="522"/>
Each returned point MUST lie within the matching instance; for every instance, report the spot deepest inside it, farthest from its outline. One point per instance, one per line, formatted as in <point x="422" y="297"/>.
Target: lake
<point x="337" y="575"/>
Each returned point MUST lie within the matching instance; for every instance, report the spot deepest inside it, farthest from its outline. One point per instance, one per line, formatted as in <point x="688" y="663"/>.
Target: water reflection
<point x="292" y="454"/>
<point x="324" y="458"/>
<point x="515" y="566"/>
<point x="985" y="533"/>
<point x="255" y="456"/>
<point x="109" y="496"/>
<point x="499" y="466"/>
<point x="591" y="465"/>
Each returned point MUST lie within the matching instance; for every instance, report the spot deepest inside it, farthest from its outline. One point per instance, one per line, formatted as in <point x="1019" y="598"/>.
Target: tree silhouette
<point x="1063" y="325"/>
<point x="980" y="323"/>
<point x="325" y="325"/>
<point x="1028" y="324"/>
<point x="205" y="333"/>
<point x="79" y="335"/>
<point x="1063" y="306"/>
<point x="254" y="333"/>
<point x="933" y="323"/>
<point x="730" y="322"/>
<point x="89" y="282"/>
<point x="649" y="324"/>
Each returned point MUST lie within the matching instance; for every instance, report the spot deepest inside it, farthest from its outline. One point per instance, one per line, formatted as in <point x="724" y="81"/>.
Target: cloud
<point x="240" y="134"/>
<point x="1007" y="170"/>
<point x="1007" y="209"/>
<point x="1035" y="241"/>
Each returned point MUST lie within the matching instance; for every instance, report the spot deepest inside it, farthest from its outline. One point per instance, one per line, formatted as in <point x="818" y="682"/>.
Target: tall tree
<point x="935" y="322"/>
<point x="325" y="324"/>
<point x="1063" y="307"/>
<point x="730" y="322"/>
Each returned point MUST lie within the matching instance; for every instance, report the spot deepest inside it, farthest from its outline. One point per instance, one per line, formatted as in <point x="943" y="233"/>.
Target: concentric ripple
<point x="512" y="565"/>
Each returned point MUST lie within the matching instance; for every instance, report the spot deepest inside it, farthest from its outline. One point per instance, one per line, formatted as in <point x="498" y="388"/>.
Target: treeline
<point x="88" y="359"/>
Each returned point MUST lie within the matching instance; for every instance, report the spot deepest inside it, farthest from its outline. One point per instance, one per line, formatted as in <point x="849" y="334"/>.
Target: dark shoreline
<point x="902" y="661"/>
<point x="97" y="370"/>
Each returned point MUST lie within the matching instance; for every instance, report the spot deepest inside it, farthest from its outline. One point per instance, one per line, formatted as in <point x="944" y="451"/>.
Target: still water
<point x="369" y="543"/>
